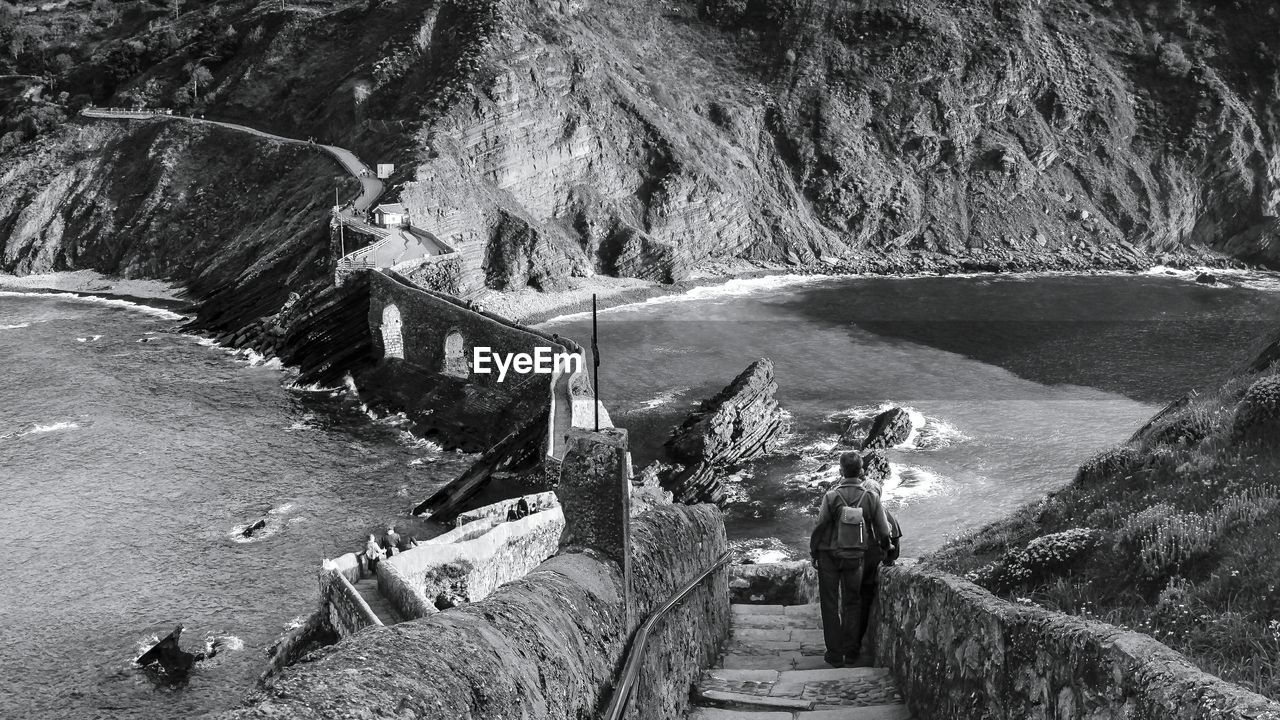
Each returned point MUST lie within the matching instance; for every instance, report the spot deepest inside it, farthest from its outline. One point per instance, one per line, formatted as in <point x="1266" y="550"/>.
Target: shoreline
<point x="92" y="284"/>
<point x="541" y="307"/>
<point x="910" y="266"/>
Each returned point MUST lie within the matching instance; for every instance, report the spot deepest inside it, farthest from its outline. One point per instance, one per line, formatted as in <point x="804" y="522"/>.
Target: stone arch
<point x="392" y="333"/>
<point x="455" y="355"/>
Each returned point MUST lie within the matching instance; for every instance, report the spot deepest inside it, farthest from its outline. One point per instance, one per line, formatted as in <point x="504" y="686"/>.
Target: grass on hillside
<point x="1175" y="533"/>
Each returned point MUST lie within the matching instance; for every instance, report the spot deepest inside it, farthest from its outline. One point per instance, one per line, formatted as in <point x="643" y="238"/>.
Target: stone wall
<point x="781" y="583"/>
<point x="536" y="502"/>
<point x="348" y="612"/>
<point x="427" y="319"/>
<point x="544" y="647"/>
<point x="960" y="653"/>
<point x="422" y="365"/>
<point x="472" y="568"/>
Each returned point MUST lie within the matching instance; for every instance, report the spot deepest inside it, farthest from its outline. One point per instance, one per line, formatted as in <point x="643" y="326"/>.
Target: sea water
<point x="131" y="456"/>
<point x="1011" y="381"/>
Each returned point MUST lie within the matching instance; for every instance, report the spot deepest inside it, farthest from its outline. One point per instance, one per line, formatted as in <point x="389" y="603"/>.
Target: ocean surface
<point x="130" y="457"/>
<point x="1013" y="381"/>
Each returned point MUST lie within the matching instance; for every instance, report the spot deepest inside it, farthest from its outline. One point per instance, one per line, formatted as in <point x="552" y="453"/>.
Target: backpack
<point x="852" y="533"/>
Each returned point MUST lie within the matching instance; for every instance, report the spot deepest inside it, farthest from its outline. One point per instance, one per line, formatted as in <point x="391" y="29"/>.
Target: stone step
<point x="872" y="712"/>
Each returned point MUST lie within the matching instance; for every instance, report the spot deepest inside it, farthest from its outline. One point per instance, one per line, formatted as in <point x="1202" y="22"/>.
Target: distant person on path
<point x="850" y="519"/>
<point x="372" y="553"/>
<point x="876" y="556"/>
<point x="391" y="541"/>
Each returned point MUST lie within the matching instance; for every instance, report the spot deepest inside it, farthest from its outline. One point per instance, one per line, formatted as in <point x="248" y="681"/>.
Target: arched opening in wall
<point x="455" y="356"/>
<point x="392" y="333"/>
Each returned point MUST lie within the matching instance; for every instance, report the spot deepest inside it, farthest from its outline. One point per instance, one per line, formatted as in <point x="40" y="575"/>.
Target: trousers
<point x="840" y="596"/>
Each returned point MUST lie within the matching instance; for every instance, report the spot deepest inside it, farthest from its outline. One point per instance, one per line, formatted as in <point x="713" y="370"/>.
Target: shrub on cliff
<point x="1106" y="465"/>
<point x="1042" y="558"/>
<point x="1258" y="414"/>
<point x="1186" y="427"/>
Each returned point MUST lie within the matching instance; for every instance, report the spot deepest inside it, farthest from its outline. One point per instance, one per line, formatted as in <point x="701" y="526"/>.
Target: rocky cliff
<point x="553" y="139"/>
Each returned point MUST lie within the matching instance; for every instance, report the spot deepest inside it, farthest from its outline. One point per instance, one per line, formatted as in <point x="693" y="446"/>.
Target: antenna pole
<point x="595" y="361"/>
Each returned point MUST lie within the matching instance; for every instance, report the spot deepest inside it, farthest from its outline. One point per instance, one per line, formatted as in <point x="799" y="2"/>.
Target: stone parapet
<point x="961" y="653"/>
<point x="544" y="647"/>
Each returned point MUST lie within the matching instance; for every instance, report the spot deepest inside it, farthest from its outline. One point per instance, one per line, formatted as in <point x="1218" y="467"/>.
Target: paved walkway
<point x="772" y="669"/>
<point x="368" y="589"/>
<point x="370" y="186"/>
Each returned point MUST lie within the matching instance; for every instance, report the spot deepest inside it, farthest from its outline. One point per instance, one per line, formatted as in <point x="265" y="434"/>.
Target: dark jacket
<point x="850" y="488"/>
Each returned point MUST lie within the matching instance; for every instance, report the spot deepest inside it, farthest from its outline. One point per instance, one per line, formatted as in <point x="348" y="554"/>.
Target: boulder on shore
<point x="1205" y="278"/>
<point x="739" y="423"/>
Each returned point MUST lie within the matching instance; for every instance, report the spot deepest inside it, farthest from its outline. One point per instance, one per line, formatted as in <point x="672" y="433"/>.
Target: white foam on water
<point x="280" y="510"/>
<point x="19" y="326"/>
<point x="37" y="429"/>
<point x="666" y="397"/>
<point x="736" y="287"/>
<point x="927" y="433"/>
<point x="108" y="302"/>
<point x="909" y="482"/>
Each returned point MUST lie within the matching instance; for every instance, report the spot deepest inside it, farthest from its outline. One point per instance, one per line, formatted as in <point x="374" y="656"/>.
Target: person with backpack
<point x="850" y="520"/>
<point x="874" y="558"/>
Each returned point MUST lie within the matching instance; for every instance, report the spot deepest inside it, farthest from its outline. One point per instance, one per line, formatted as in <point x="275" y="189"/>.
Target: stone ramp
<point x="368" y="589"/>
<point x="772" y="669"/>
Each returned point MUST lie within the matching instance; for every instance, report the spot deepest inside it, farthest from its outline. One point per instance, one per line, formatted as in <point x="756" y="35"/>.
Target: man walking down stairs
<point x="772" y="669"/>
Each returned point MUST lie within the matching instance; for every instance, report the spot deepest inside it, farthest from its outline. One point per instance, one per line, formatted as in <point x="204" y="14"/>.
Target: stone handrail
<point x="959" y="652"/>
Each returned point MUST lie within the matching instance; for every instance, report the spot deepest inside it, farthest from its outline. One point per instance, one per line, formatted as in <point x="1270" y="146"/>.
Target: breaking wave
<point x="19" y="326"/>
<point x="927" y="433"/>
<point x="109" y="302"/>
<point x="36" y="429"/>
<point x="666" y="397"/>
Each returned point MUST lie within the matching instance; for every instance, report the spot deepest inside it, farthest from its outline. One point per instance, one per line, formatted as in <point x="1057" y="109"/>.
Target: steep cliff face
<point x="241" y="221"/>
<point x="570" y="137"/>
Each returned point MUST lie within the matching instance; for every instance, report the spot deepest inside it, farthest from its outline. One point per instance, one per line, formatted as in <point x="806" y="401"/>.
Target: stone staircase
<point x="772" y="669"/>
<point x="368" y="589"/>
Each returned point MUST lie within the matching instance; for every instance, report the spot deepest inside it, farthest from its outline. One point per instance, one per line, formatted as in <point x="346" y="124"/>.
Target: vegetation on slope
<point x="1176" y="533"/>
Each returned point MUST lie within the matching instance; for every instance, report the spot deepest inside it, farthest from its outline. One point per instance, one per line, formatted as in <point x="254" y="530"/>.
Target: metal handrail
<point x="631" y="669"/>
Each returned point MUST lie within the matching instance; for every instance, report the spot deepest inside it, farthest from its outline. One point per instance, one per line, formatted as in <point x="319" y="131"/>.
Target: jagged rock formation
<point x="875" y="465"/>
<point x="735" y="425"/>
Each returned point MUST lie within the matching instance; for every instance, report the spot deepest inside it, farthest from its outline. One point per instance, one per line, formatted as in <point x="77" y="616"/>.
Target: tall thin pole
<point x="595" y="360"/>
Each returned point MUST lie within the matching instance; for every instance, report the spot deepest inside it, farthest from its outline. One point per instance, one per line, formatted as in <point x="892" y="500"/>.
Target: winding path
<point x="371" y="188"/>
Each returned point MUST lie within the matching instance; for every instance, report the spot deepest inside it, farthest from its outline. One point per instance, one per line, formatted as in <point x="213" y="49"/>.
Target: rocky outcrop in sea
<point x="739" y="423"/>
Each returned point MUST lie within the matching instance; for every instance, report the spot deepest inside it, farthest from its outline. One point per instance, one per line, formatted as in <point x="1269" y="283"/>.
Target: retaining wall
<point x="471" y="568"/>
<point x="545" y="647"/>
<point x="958" y="652"/>
<point x="780" y="583"/>
<point x="348" y="613"/>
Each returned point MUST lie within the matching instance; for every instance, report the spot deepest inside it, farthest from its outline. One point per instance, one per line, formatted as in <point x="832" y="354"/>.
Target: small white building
<point x="391" y="215"/>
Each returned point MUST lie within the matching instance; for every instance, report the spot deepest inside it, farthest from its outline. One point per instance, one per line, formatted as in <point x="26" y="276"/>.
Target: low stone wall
<point x="537" y="502"/>
<point x="958" y="652"/>
<point x="781" y="583"/>
<point x="348" y="612"/>
<point x="471" y="568"/>
<point x="545" y="647"/>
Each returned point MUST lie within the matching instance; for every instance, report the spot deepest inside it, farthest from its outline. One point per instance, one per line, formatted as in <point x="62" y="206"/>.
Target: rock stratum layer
<point x="560" y="139"/>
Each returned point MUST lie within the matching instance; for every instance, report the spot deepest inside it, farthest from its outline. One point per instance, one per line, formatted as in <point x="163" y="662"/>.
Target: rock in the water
<point x="1206" y="278"/>
<point x="875" y="465"/>
<point x="891" y="427"/>
<point x="739" y="423"/>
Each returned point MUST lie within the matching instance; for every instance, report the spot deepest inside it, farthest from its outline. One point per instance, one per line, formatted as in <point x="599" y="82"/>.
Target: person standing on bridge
<point x="849" y="520"/>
